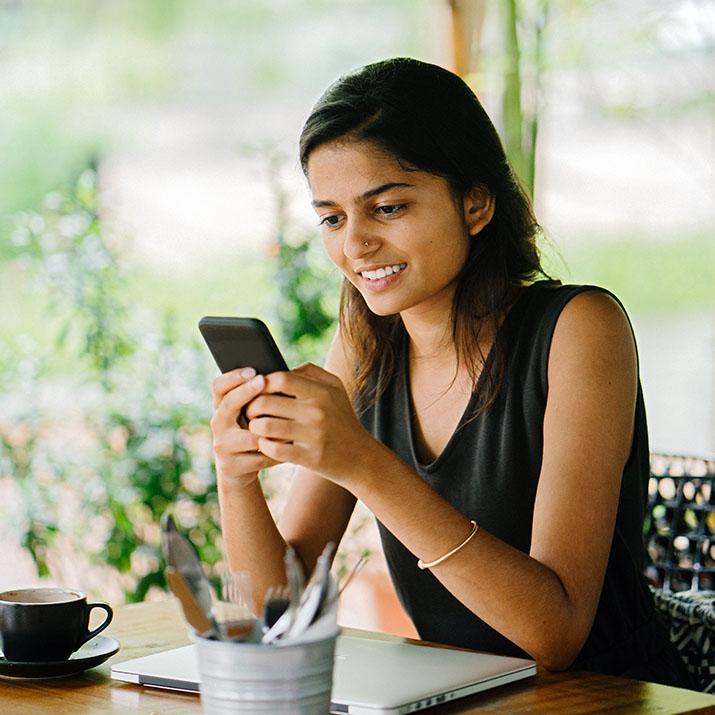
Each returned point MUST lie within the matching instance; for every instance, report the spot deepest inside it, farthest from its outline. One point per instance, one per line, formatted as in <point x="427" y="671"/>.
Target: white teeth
<point x="382" y="272"/>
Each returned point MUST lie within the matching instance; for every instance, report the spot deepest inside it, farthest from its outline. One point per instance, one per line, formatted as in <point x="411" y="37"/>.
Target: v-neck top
<point x="406" y="392"/>
<point x="489" y="470"/>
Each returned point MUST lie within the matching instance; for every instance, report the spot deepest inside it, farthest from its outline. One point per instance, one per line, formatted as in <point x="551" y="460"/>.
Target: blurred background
<point x="149" y="176"/>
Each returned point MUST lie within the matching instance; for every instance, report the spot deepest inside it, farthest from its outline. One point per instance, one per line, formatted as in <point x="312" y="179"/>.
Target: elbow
<point x="558" y="653"/>
<point x="556" y="661"/>
<point x="560" y="639"/>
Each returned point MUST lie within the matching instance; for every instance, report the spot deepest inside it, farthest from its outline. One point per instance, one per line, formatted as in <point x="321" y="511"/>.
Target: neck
<point x="431" y="340"/>
<point x="430" y="332"/>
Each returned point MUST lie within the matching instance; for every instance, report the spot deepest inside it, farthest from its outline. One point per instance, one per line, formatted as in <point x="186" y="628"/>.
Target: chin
<point x="384" y="308"/>
<point x="383" y="313"/>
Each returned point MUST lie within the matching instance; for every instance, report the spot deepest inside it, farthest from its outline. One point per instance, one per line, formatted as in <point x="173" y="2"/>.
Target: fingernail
<point x="247" y="373"/>
<point x="257" y="381"/>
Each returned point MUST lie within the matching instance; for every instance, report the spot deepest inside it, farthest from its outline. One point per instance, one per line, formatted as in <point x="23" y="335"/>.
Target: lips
<point x="377" y="285"/>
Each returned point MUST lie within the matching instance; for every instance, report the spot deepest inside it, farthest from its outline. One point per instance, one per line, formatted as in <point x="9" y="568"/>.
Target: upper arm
<point x="317" y="510"/>
<point x="588" y="431"/>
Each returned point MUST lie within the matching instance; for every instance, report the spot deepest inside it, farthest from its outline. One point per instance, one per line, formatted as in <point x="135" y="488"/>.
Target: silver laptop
<point x="371" y="677"/>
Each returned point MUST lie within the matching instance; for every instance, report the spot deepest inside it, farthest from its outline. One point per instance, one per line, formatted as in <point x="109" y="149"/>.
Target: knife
<point x="181" y="556"/>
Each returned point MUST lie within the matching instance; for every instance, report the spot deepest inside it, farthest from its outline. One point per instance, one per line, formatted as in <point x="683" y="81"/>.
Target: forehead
<point x="343" y="169"/>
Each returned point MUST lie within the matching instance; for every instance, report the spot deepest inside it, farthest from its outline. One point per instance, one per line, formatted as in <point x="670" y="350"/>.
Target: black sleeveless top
<point x="489" y="470"/>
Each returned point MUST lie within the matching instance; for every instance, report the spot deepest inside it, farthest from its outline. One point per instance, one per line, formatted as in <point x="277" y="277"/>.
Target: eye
<point x="390" y="209"/>
<point x="331" y="220"/>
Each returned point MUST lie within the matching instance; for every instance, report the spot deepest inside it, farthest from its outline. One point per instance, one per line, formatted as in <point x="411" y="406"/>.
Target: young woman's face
<point x="398" y="236"/>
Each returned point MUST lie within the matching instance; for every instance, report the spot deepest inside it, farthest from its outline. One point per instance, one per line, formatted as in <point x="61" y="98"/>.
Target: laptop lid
<point x="371" y="677"/>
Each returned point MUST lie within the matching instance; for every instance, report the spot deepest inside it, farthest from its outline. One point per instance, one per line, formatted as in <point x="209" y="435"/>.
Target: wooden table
<point x="149" y="627"/>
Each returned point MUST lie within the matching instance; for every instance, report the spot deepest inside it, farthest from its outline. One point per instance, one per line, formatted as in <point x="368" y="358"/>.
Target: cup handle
<point x="102" y="625"/>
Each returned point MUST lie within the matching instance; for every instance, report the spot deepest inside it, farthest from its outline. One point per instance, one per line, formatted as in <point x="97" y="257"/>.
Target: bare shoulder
<point x="592" y="311"/>
<point x="593" y="324"/>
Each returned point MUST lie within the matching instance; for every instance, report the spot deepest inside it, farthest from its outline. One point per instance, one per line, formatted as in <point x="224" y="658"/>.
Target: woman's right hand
<point x="238" y="460"/>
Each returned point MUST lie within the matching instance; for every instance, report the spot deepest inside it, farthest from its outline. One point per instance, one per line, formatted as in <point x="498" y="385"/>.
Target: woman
<point x="492" y="422"/>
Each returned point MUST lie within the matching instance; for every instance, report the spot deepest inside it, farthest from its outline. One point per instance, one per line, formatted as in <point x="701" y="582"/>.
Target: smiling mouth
<point x="383" y="272"/>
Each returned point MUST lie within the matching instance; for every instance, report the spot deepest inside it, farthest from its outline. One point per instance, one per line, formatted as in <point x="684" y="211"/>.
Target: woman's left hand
<point x="305" y="417"/>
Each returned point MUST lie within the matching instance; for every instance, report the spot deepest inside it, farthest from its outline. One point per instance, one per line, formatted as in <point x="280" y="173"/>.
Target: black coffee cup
<point x="46" y="624"/>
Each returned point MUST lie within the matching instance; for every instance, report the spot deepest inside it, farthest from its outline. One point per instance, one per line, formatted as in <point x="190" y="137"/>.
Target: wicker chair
<point x="679" y="532"/>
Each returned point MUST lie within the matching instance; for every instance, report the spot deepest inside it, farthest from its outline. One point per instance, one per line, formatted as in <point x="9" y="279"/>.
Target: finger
<point x="223" y="384"/>
<point x="249" y="463"/>
<point x="314" y="372"/>
<point x="290" y="383"/>
<point x="227" y="411"/>
<point x="273" y="405"/>
<point x="273" y="428"/>
<point x="278" y="451"/>
<point x="308" y="369"/>
<point x="237" y="452"/>
<point x="230" y="443"/>
<point x="320" y="375"/>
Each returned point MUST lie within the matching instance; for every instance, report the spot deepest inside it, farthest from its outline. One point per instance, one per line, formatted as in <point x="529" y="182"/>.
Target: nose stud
<point x="366" y="243"/>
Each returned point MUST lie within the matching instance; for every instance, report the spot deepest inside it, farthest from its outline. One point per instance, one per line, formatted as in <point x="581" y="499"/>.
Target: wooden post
<point x="467" y="17"/>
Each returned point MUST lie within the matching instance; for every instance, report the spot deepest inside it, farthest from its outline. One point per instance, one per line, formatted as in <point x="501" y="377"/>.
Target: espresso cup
<point x="46" y="624"/>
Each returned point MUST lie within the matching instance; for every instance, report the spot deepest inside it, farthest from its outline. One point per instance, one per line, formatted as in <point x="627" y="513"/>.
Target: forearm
<point x="251" y="538"/>
<point x="514" y="593"/>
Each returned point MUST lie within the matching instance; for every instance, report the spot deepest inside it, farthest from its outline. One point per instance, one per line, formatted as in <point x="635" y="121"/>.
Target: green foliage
<point x="139" y="441"/>
<point x="307" y="283"/>
<point x="304" y="315"/>
<point x="145" y="436"/>
<point x="82" y="271"/>
<point x="28" y="458"/>
<point x="18" y="457"/>
<point x="153" y="454"/>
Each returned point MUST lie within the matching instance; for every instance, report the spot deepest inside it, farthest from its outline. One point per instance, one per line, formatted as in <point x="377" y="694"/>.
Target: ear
<point x="479" y="207"/>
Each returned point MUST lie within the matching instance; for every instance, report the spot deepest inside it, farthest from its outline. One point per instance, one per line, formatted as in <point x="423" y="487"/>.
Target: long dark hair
<point x="430" y="120"/>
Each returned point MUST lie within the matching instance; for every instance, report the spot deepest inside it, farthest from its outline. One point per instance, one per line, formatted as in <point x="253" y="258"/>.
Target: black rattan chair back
<point x="679" y="527"/>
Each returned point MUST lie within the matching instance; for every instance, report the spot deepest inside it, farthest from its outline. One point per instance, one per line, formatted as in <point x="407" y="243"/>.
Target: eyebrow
<point x="370" y="193"/>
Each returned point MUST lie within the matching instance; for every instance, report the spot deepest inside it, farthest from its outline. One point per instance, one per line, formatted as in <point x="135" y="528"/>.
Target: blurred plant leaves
<point x="144" y="402"/>
<point x="146" y="431"/>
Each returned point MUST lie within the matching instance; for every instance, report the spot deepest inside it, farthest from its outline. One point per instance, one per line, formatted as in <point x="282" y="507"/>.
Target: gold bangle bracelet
<point x="429" y="565"/>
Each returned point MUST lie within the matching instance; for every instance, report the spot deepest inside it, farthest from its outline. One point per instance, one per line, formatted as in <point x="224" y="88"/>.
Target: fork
<point x="236" y="588"/>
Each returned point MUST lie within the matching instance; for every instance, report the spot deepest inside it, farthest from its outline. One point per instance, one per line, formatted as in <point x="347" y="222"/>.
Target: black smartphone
<point x="241" y="342"/>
